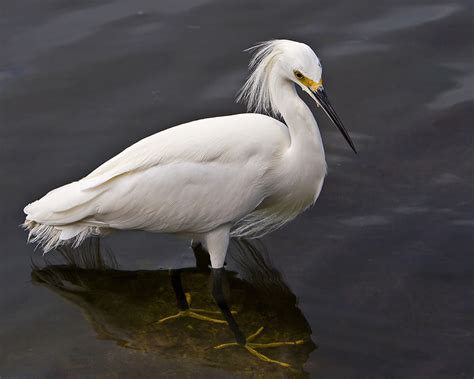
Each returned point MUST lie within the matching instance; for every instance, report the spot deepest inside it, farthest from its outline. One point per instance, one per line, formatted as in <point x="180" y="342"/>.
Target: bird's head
<point x="295" y="62"/>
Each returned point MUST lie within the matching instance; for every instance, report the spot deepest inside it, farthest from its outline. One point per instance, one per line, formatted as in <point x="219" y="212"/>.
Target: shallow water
<point x="382" y="266"/>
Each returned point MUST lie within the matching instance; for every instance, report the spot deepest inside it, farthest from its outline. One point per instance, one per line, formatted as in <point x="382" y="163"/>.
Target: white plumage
<point x="242" y="175"/>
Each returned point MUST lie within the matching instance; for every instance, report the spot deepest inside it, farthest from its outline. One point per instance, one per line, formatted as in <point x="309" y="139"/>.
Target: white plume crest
<point x="257" y="90"/>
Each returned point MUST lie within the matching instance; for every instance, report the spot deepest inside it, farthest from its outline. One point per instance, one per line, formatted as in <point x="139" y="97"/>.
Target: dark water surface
<point x="383" y="265"/>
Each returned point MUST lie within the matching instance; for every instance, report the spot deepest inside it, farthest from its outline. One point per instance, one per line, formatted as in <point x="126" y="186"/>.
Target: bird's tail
<point x="50" y="237"/>
<point x="63" y="217"/>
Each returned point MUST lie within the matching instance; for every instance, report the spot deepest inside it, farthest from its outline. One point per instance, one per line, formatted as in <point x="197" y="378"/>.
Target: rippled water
<point x="382" y="266"/>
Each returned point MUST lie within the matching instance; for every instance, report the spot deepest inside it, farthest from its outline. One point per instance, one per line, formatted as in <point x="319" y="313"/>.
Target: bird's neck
<point x="303" y="129"/>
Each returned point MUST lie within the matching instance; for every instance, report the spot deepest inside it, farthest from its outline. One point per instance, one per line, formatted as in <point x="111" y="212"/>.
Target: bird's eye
<point x="299" y="75"/>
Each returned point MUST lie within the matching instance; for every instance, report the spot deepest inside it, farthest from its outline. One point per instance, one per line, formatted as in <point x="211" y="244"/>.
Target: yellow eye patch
<point x="314" y="86"/>
<point x="311" y="84"/>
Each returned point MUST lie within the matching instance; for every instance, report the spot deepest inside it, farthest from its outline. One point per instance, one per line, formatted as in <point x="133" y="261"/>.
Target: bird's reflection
<point x="141" y="309"/>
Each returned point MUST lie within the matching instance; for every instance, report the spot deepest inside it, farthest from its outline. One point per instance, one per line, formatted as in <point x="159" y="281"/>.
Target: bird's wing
<point x="167" y="174"/>
<point x="224" y="139"/>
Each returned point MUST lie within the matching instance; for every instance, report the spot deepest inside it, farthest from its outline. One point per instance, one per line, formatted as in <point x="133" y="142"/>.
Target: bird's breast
<point x="299" y="182"/>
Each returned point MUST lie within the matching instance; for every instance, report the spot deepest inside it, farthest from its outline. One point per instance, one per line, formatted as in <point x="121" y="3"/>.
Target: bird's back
<point x="189" y="178"/>
<point x="218" y="139"/>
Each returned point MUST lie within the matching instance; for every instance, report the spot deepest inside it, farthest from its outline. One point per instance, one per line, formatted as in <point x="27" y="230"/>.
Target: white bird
<point x="210" y="179"/>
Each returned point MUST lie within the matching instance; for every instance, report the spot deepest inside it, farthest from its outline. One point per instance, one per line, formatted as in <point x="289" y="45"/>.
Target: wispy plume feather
<point x="49" y="236"/>
<point x="257" y="90"/>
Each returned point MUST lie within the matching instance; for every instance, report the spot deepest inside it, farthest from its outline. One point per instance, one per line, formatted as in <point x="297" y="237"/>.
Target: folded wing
<point x="188" y="178"/>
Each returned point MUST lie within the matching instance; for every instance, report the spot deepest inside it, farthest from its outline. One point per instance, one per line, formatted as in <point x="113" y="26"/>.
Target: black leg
<point x="183" y="301"/>
<point x="178" y="290"/>
<point x="203" y="261"/>
<point x="218" y="277"/>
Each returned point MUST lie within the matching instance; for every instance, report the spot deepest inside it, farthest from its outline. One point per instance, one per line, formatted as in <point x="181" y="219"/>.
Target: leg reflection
<point x="184" y="299"/>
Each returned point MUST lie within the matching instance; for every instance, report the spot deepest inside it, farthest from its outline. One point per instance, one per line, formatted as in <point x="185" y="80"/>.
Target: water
<point x="382" y="266"/>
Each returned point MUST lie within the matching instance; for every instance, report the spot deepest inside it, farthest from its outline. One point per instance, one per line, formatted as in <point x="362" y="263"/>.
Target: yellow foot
<point x="251" y="347"/>
<point x="193" y="313"/>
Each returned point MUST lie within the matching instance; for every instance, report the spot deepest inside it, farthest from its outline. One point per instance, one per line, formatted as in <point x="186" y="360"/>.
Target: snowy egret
<point x="238" y="175"/>
<point x="241" y="175"/>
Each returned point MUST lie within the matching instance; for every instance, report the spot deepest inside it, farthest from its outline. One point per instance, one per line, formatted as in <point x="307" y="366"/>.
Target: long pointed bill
<point x="323" y="101"/>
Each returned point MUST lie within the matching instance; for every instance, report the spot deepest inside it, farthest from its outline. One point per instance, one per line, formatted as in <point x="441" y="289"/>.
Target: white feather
<point x="247" y="172"/>
<point x="260" y="90"/>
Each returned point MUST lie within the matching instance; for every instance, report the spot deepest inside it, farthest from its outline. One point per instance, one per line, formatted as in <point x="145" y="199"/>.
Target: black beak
<point x="323" y="101"/>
